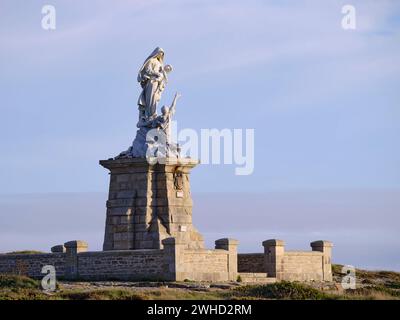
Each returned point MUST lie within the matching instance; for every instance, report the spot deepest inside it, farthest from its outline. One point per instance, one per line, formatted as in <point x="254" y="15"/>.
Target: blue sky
<point x="324" y="102"/>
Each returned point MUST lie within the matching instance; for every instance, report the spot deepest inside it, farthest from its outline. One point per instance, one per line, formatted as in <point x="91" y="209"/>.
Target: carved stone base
<point x="148" y="203"/>
<point x="155" y="144"/>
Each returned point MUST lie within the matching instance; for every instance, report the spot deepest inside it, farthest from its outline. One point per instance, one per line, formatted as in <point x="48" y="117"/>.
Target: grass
<point x="281" y="290"/>
<point x="109" y="294"/>
<point x="26" y="252"/>
<point x="14" y="287"/>
<point x="371" y="285"/>
<point x="17" y="282"/>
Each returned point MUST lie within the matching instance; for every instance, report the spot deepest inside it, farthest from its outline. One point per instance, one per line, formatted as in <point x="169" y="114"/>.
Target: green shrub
<point x="282" y="290"/>
<point x="393" y="284"/>
<point x="371" y="290"/>
<point x="337" y="269"/>
<point x="17" y="282"/>
<point x="106" y="294"/>
<point x="26" y="252"/>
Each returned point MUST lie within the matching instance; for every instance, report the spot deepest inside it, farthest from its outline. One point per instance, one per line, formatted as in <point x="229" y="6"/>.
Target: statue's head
<point x="158" y="53"/>
<point x="164" y="110"/>
<point x="160" y="56"/>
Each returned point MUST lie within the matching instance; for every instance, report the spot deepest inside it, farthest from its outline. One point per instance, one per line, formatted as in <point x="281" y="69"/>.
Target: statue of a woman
<point x="152" y="78"/>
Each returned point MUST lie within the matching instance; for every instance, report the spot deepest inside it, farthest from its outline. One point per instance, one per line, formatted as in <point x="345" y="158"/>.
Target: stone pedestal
<point x="71" y="259"/>
<point x="274" y="251"/>
<point x="326" y="248"/>
<point x="231" y="246"/>
<point x="148" y="203"/>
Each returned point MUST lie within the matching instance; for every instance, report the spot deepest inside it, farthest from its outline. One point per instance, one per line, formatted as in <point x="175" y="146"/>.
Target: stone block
<point x="145" y="191"/>
<point x="226" y="244"/>
<point x="58" y="248"/>
<point x="76" y="245"/>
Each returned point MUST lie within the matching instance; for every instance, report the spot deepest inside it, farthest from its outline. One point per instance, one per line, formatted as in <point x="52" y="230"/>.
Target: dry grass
<point x="132" y="294"/>
<point x="26" y="252"/>
<point x="383" y="285"/>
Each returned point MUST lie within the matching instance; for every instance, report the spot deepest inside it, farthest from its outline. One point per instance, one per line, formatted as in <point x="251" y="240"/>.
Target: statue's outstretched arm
<point x="173" y="105"/>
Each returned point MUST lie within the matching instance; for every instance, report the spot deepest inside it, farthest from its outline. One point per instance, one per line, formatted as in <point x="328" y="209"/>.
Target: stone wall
<point x="32" y="264"/>
<point x="99" y="265"/>
<point x="251" y="262"/>
<point x="205" y="264"/>
<point x="173" y="263"/>
<point x="121" y="265"/>
<point x="290" y="265"/>
<point x="201" y="264"/>
<point x="303" y="266"/>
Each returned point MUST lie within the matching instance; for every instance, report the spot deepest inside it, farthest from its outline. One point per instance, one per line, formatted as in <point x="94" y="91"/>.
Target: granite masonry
<point x="277" y="263"/>
<point x="149" y="236"/>
<point x="176" y="262"/>
<point x="148" y="203"/>
<point x="149" y="233"/>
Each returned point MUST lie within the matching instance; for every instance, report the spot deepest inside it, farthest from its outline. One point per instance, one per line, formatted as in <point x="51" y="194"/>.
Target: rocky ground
<point x="369" y="285"/>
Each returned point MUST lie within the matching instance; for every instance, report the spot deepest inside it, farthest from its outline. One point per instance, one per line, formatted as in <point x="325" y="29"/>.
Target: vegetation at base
<point x="386" y="276"/>
<point x="16" y="287"/>
<point x="376" y="291"/>
<point x="108" y="294"/>
<point x="129" y="294"/>
<point x="282" y="290"/>
<point x="26" y="252"/>
<point x="371" y="285"/>
<point x="18" y="282"/>
<point x="337" y="269"/>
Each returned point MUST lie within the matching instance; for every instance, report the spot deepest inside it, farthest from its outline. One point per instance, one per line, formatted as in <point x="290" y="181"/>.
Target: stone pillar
<point x="326" y="248"/>
<point x="274" y="251"/>
<point x="231" y="246"/>
<point x="148" y="203"/>
<point x="173" y="259"/>
<point x="71" y="260"/>
<point x="58" y="249"/>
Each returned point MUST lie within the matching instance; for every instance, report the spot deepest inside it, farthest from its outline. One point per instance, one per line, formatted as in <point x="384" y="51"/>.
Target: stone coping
<point x="61" y="254"/>
<point x="121" y="252"/>
<point x="32" y="255"/>
<point x="303" y="253"/>
<point x="199" y="251"/>
<point x="290" y="252"/>
<point x="140" y="162"/>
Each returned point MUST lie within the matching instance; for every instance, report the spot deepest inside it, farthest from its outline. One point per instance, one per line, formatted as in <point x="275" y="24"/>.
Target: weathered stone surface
<point x="290" y="265"/>
<point x="76" y="245"/>
<point x="174" y="262"/>
<point x="147" y="201"/>
<point x="58" y="248"/>
<point x="251" y="262"/>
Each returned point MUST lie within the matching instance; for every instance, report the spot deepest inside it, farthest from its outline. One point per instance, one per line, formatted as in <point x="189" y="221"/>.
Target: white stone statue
<point x="165" y="146"/>
<point x="163" y="121"/>
<point x="153" y="78"/>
